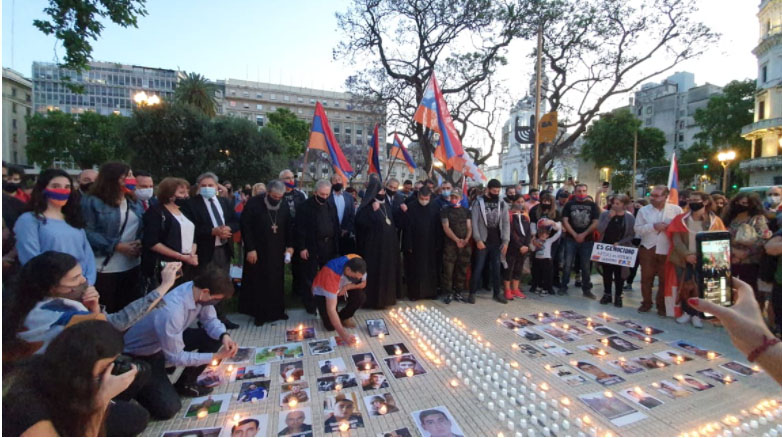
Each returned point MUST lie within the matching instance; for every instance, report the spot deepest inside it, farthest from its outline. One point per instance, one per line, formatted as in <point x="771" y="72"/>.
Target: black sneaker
<point x="312" y="310"/>
<point x="457" y="296"/>
<point x="578" y="283"/>
<point x="618" y="302"/>
<point x="590" y="295"/>
<point x="230" y="325"/>
<point x="500" y="299"/>
<point x="562" y="291"/>
<point x="471" y="298"/>
<point x="606" y="299"/>
<point x="448" y="298"/>
<point x="193" y="390"/>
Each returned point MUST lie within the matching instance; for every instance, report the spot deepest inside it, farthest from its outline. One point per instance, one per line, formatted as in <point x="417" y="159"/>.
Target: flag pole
<point x="536" y="157"/>
<point x="388" y="173"/>
<point x="635" y="162"/>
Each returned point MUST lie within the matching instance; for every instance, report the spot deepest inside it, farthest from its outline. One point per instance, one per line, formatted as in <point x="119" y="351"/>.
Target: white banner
<point x="614" y="255"/>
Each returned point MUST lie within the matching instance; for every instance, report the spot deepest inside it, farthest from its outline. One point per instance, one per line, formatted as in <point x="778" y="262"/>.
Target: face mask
<point x="130" y="183"/>
<point x="180" y="201"/>
<point x="581" y="198"/>
<point x="773" y="200"/>
<point x="738" y="208"/>
<point x="85" y="187"/>
<point x="58" y="197"/>
<point x="535" y="197"/>
<point x="273" y="202"/>
<point x="320" y="200"/>
<point x="208" y="192"/>
<point x="290" y="185"/>
<point x="10" y="187"/>
<point x="546" y="205"/>
<point x="76" y="292"/>
<point x="336" y="187"/>
<point x="380" y="197"/>
<point x="391" y="193"/>
<point x="446" y="193"/>
<point x="516" y="207"/>
<point x="695" y="206"/>
<point x="456" y="203"/>
<point x="355" y="280"/>
<point x="493" y="197"/>
<point x="424" y="203"/>
<point x="144" y="194"/>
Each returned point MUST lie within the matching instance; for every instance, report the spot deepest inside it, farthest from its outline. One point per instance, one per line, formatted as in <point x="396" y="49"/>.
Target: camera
<point x="123" y="364"/>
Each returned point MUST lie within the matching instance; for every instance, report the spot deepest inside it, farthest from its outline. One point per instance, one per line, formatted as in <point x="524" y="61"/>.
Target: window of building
<point x="764" y="73"/>
<point x="13" y="123"/>
<point x="258" y="95"/>
<point x="761" y="110"/>
<point x="681" y="137"/>
<point x="359" y="131"/>
<point x="312" y="101"/>
<point x="13" y="92"/>
<point x="259" y="120"/>
<point x="300" y="111"/>
<point x="300" y="100"/>
<point x="273" y="96"/>
<point x="648" y="121"/>
<point x="757" y="148"/>
<point x="232" y="103"/>
<point x="246" y="105"/>
<point x="649" y="109"/>
<point x="259" y="107"/>
<point x="246" y="94"/>
<point x="13" y="108"/>
<point x="286" y="98"/>
<point x="347" y="130"/>
<point x="336" y="104"/>
<point x="325" y="103"/>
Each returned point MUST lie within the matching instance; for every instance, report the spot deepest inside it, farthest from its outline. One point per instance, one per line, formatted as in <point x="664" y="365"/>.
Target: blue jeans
<point x="492" y="253"/>
<point x="584" y="251"/>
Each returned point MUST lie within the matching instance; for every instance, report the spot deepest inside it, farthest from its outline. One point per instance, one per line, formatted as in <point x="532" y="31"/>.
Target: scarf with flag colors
<point x="322" y="139"/>
<point x="326" y="283"/>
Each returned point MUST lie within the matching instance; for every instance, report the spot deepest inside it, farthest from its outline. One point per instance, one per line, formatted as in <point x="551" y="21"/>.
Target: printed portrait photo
<point x="291" y="371"/>
<point x="531" y="352"/>
<point x="436" y="421"/>
<point x="380" y="404"/>
<point x="638" y="336"/>
<point x="206" y="431"/>
<point x="693" y="383"/>
<point x="372" y="381"/>
<point x="248" y="372"/>
<point x="567" y="374"/>
<point x="243" y="355"/>
<point x="334" y="365"/>
<point x="738" y="368"/>
<point x="693" y="349"/>
<point x="279" y="352"/>
<point x="395" y="349"/>
<point x="671" y="389"/>
<point x="627" y="366"/>
<point x="298" y="391"/>
<point x="337" y="382"/>
<point x="612" y="408"/>
<point x="295" y="422"/>
<point x="342" y="408"/>
<point x="719" y="376"/>
<point x="211" y="404"/>
<point x="365" y="362"/>
<point x="554" y="349"/>
<point x="255" y="425"/>
<point x="597" y="374"/>
<point x="300" y="334"/>
<point x="529" y="334"/>
<point x="257" y="390"/>
<point x="621" y="345"/>
<point x="641" y="398"/>
<point x="322" y="346"/>
<point x="397" y="433"/>
<point x="376" y="327"/>
<point x="405" y="366"/>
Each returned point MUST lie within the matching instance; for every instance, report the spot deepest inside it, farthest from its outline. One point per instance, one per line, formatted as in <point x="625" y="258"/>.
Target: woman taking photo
<point x="749" y="231"/>
<point x="168" y="234"/>
<point x="113" y="218"/>
<point x="54" y="223"/>
<point x="68" y="391"/>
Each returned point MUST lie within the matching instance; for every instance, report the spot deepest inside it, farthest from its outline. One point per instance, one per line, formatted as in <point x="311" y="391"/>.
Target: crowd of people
<point x="86" y="263"/>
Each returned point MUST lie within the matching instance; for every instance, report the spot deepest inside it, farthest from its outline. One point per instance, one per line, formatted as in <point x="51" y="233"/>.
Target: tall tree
<point x="76" y="23"/>
<point x="724" y="116"/>
<point x="598" y="49"/>
<point x="398" y="44"/>
<point x="197" y="91"/>
<point x="608" y="142"/>
<point x="245" y="154"/>
<point x="293" y="131"/>
<point x="50" y="137"/>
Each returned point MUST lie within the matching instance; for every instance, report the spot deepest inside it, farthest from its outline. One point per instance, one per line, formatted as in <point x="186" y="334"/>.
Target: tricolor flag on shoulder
<point x="673" y="182"/>
<point x="433" y="113"/>
<point x="374" y="153"/>
<point x="399" y="151"/>
<point x="322" y="139"/>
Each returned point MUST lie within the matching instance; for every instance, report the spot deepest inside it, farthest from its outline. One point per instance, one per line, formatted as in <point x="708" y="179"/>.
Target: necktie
<point x="216" y="214"/>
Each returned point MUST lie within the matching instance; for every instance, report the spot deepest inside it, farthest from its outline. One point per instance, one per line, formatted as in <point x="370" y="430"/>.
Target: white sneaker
<point x="696" y="322"/>
<point x="684" y="319"/>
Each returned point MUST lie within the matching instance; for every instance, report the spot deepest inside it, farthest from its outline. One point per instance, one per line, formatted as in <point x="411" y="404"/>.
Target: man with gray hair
<point x="215" y="222"/>
<point x="267" y="233"/>
<point x="294" y="198"/>
<point x="346" y="213"/>
<point x="317" y="234"/>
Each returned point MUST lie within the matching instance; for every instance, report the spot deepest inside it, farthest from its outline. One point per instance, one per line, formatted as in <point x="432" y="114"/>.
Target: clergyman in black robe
<point x="420" y="226"/>
<point x="267" y="233"/>
<point x="378" y="244"/>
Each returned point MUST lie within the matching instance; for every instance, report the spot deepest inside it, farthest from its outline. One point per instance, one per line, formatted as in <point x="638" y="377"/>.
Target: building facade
<point x="765" y="165"/>
<point x="109" y="88"/>
<point x="670" y="107"/>
<point x="352" y="121"/>
<point x="17" y="103"/>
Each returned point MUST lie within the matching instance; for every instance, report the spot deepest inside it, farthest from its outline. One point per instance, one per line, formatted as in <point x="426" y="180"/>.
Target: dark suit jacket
<point x="307" y="227"/>
<point x="349" y="215"/>
<point x="195" y="210"/>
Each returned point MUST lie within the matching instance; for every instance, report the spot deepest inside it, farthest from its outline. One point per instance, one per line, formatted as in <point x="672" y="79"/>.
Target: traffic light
<point x="734" y="186"/>
<point x="705" y="166"/>
<point x="694" y="187"/>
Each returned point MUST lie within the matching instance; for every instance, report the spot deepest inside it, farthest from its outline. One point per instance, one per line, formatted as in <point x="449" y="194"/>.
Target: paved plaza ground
<point x="475" y="417"/>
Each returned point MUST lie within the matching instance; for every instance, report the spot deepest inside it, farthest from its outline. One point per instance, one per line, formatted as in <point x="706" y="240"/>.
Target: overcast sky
<point x="291" y="42"/>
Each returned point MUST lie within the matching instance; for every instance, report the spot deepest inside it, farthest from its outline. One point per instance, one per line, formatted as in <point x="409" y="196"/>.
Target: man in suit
<point x="317" y="233"/>
<point x="145" y="188"/>
<point x="215" y="222"/>
<point x="346" y="213"/>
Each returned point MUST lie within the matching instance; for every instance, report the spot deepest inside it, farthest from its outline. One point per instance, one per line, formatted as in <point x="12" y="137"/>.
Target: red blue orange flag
<point x="673" y="182"/>
<point x="374" y="153"/>
<point x="399" y="151"/>
<point x="433" y="113"/>
<point x="322" y="139"/>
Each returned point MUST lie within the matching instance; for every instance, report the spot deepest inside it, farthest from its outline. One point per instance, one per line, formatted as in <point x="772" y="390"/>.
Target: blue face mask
<point x="208" y="192"/>
<point x="446" y="193"/>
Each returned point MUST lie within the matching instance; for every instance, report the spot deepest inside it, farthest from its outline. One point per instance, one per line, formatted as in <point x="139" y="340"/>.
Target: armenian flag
<point x="673" y="182"/>
<point x="374" y="153"/>
<point x="433" y="113"/>
<point x="322" y="139"/>
<point x="399" y="151"/>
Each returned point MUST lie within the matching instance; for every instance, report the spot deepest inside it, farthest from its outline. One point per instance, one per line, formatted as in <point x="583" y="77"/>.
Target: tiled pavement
<point x="673" y="418"/>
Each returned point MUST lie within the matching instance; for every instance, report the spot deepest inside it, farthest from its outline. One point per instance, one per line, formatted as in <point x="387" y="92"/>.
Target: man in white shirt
<point x="650" y="224"/>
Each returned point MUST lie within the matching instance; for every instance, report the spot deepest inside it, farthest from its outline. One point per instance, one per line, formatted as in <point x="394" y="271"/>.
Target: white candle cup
<point x="555" y="415"/>
<point x="516" y="373"/>
<point x="493" y="395"/>
<point x="579" y="423"/>
<point x="448" y="363"/>
<point x="542" y="418"/>
<point x="490" y="405"/>
<point x="555" y="429"/>
<point x="453" y="367"/>
<point x="504" y="392"/>
<point x="531" y="408"/>
<point x="592" y="431"/>
<point x="753" y="424"/>
<point x="459" y="374"/>
<point x="566" y="412"/>
<point x="501" y="404"/>
<point x="737" y="430"/>
<point x="542" y="394"/>
<point x="565" y="425"/>
<point x="546" y="431"/>
<point x="511" y="413"/>
<point x="501" y="416"/>
<point x="506" y="374"/>
<point x="532" y="396"/>
<point x="533" y="419"/>
<point x="524" y="380"/>
<point x="531" y="432"/>
<point x="522" y="422"/>
<point x="521" y="398"/>
<point x="543" y="406"/>
<point x="481" y="397"/>
<point x="466" y="381"/>
<point x="519" y="434"/>
<point x="513" y="391"/>
<point x="554" y="403"/>
<point x="534" y="386"/>
<point x="511" y="426"/>
<point x="485" y="386"/>
<point x="513" y="381"/>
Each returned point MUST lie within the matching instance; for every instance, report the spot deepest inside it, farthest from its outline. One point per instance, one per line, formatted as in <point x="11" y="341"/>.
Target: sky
<point x="291" y="42"/>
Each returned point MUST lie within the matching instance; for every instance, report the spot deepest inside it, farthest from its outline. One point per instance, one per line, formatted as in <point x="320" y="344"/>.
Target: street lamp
<point x="141" y="98"/>
<point x="725" y="158"/>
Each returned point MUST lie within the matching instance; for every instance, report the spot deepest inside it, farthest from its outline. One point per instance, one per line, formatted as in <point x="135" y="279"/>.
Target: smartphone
<point x="179" y="272"/>
<point x="713" y="268"/>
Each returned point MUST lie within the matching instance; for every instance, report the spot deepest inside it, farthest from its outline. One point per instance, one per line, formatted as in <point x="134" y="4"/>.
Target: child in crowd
<point x="546" y="233"/>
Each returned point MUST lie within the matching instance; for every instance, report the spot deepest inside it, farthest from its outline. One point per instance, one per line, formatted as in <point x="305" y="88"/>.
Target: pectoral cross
<point x="274" y="228"/>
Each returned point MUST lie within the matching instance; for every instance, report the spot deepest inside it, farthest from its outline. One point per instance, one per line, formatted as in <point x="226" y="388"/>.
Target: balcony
<point x="760" y="127"/>
<point x="763" y="163"/>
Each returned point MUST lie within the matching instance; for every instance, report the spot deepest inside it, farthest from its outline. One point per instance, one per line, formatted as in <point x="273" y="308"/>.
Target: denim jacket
<point x="103" y="223"/>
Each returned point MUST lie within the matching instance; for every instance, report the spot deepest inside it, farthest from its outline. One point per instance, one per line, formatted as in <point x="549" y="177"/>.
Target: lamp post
<point x="725" y="158"/>
<point x="142" y="99"/>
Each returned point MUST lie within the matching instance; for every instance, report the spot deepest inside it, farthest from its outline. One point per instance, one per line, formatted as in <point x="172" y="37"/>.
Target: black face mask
<point x="738" y="208"/>
<point x="10" y="187"/>
<point x="380" y="197"/>
<point x="180" y="201"/>
<point x="273" y="202"/>
<point x="493" y="197"/>
<point x="695" y="206"/>
<point x="320" y="200"/>
<point x="85" y="187"/>
<point x="546" y="206"/>
<point x="336" y="187"/>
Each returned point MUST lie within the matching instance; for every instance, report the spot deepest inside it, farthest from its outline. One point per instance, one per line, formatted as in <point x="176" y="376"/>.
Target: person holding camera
<point x="69" y="389"/>
<point x="164" y="337"/>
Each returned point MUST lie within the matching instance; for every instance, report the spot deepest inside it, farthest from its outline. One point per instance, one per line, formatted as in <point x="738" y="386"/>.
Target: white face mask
<point x="774" y="200"/>
<point x="144" y="194"/>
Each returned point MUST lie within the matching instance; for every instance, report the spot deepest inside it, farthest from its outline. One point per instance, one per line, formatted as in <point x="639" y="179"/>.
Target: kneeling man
<point x="333" y="282"/>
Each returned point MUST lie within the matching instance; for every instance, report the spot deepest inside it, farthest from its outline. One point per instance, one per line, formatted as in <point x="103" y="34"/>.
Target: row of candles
<point x="757" y="421"/>
<point x="520" y="403"/>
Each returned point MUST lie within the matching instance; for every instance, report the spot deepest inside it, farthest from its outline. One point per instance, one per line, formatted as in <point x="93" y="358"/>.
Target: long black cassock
<point x="378" y="244"/>
<point x="420" y="228"/>
<point x="267" y="229"/>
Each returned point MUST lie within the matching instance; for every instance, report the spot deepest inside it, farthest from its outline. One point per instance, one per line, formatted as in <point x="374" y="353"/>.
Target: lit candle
<point x="381" y="336"/>
<point x="647" y="339"/>
<point x="289" y="379"/>
<point x="338" y="387"/>
<point x="230" y="368"/>
<point x="454" y="382"/>
<point x="344" y="426"/>
<point x="601" y="352"/>
<point x="383" y="410"/>
<point x="544" y="386"/>
<point x="292" y="403"/>
<point x="409" y="372"/>
<point x="214" y="362"/>
<point x="202" y="413"/>
<point x="605" y="316"/>
<point x="237" y="417"/>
